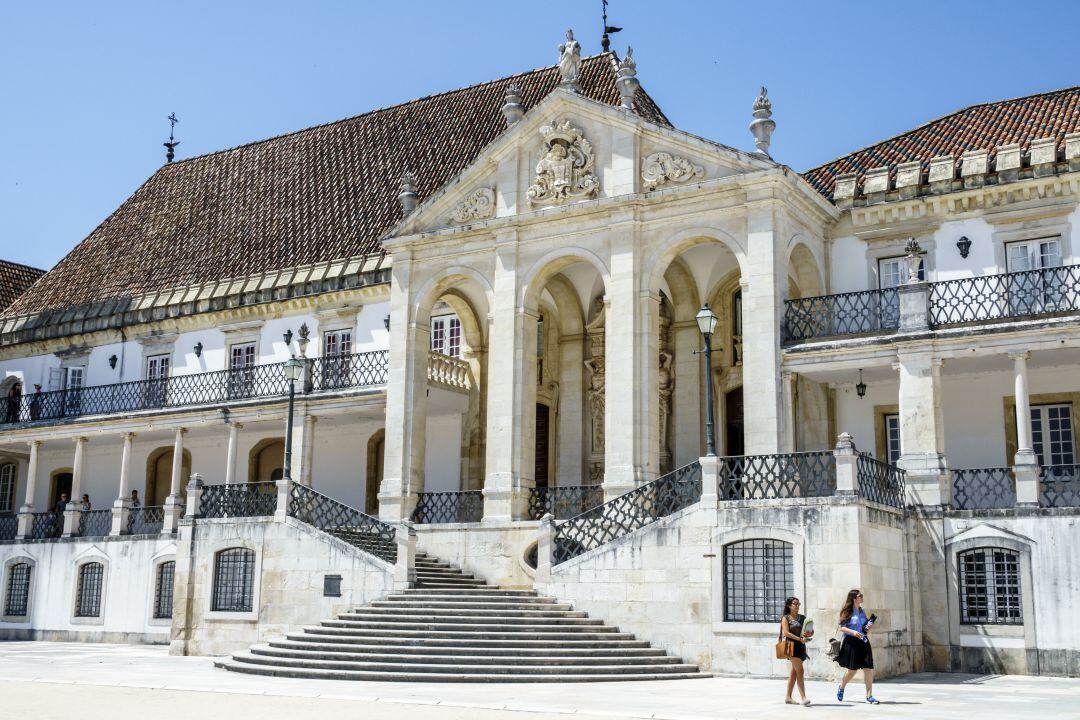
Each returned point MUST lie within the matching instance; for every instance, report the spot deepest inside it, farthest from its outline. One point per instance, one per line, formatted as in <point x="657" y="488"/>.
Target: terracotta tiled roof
<point x="14" y="280"/>
<point x="319" y="194"/>
<point x="979" y="127"/>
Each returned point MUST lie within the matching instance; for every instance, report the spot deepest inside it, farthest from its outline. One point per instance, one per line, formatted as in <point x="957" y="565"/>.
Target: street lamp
<point x="293" y="369"/>
<point x="706" y="322"/>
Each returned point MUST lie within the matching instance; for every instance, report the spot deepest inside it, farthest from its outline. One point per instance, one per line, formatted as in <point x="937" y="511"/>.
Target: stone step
<point x="504" y="610"/>
<point x="623" y="640"/>
<point x="470" y="617"/>
<point x="637" y="648"/>
<point x="476" y="624"/>
<point x="476" y="657"/>
<point x="562" y="633"/>
<point x="444" y="585"/>
<point x="450" y="592"/>
<point x="480" y="597"/>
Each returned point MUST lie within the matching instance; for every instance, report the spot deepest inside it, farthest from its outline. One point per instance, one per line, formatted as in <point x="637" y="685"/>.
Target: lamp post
<point x="293" y="368"/>
<point x="706" y="322"/>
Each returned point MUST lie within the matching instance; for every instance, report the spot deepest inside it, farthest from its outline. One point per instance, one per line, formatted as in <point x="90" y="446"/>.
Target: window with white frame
<point x="337" y="342"/>
<point x="1033" y="255"/>
<point x="157" y="367"/>
<point x="73" y="377"/>
<point x="758" y="576"/>
<point x="892" y="439"/>
<point x="242" y="355"/>
<point x="7" y="487"/>
<point x="446" y="335"/>
<point x="990" y="587"/>
<point x="1052" y="434"/>
<point x="893" y="272"/>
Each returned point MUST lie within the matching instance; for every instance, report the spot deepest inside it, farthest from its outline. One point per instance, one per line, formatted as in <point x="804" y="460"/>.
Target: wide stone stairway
<point x="454" y="627"/>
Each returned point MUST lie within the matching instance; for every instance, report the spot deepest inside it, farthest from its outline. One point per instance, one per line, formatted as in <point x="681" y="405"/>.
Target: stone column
<point x="1025" y="462"/>
<point x="74" y="511"/>
<point x="922" y="435"/>
<point x="766" y="280"/>
<point x="686" y="400"/>
<point x="790" y="410"/>
<point x="172" y="506"/>
<point x="230" y="455"/>
<point x="26" y="512"/>
<point x="571" y="427"/>
<point x="406" y="402"/>
<point x="122" y="505"/>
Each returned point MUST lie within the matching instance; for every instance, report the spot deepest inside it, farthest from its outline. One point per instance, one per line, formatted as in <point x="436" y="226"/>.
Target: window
<point x="17" y="597"/>
<point x="7" y="487"/>
<point x="157" y="376"/>
<point x="1035" y="292"/>
<point x="892" y="439"/>
<point x="336" y="365"/>
<point x="990" y="587"/>
<point x="242" y="356"/>
<point x="73" y="382"/>
<point x="893" y="272"/>
<point x="234" y="580"/>
<point x="446" y="335"/>
<point x="1033" y="255"/>
<point x="758" y="576"/>
<point x="338" y="342"/>
<point x="88" y="591"/>
<point x="163" y="590"/>
<point x="242" y="370"/>
<point x="1052" y="434"/>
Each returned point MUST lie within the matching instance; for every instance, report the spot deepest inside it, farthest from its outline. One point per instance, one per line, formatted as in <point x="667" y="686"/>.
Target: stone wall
<point x="494" y="551"/>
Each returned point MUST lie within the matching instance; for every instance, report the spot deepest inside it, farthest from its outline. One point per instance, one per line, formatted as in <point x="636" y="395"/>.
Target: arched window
<point x="163" y="590"/>
<point x="7" y="487"/>
<point x="234" y="580"/>
<point x="990" y="587"/>
<point x="17" y="597"/>
<point x="758" y="576"/>
<point x="88" y="591"/>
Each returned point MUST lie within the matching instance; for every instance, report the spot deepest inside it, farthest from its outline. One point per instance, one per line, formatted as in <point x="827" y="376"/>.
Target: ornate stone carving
<point x="569" y="62"/>
<point x="762" y="125"/>
<point x="407" y="195"/>
<point x="565" y="169"/>
<point x="477" y="205"/>
<point x="661" y="168"/>
<point x="597" y="406"/>
<point x="666" y="383"/>
<point x="626" y="80"/>
<point x="512" y="108"/>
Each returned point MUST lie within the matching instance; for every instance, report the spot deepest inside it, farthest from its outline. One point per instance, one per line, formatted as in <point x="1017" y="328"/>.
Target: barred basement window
<point x="88" y="592"/>
<point x="758" y="576"/>
<point x="990" y="587"/>
<point x="234" y="580"/>
<point x="163" y="590"/>
<point x="18" y="590"/>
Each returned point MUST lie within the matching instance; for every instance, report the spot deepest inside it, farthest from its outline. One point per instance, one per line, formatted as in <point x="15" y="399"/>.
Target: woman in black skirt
<point x="855" y="651"/>
<point x="791" y="628"/>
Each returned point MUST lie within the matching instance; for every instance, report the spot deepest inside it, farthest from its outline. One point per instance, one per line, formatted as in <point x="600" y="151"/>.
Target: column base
<point x="71" y="521"/>
<point x="26" y="521"/>
<point x="927" y="481"/>
<point x="396" y="508"/>
<point x="506" y="505"/>
<point x="121" y="513"/>
<point x="1027" y="481"/>
<point x="619" y="480"/>
<point x="172" y="510"/>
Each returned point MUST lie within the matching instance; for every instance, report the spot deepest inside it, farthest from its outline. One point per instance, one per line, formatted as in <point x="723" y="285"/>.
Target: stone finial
<point x="913" y="259"/>
<point x="846" y="443"/>
<point x="407" y="195"/>
<point x="626" y="80"/>
<point x="570" y="63"/>
<point x="512" y="109"/>
<point x="762" y="126"/>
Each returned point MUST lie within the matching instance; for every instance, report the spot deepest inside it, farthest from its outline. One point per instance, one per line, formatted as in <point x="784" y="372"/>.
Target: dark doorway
<point x="543" y="435"/>
<point x="61" y="484"/>
<point x="733" y="419"/>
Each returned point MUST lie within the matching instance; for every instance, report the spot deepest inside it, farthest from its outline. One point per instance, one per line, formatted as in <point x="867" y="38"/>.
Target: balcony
<point x="989" y="298"/>
<point x="334" y="372"/>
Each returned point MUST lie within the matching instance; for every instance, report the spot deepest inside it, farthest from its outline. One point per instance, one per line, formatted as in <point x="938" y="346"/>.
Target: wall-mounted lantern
<point x="860" y="387"/>
<point x="288" y="338"/>
<point x="198" y="349"/>
<point x="964" y="246"/>
<point x="112" y="362"/>
<point x="386" y="323"/>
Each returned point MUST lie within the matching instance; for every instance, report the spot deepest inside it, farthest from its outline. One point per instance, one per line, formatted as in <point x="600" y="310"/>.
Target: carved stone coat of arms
<point x="565" y="169"/>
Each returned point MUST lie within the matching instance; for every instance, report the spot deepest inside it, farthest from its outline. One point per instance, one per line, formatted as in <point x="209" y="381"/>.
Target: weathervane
<point x="170" y="147"/>
<point x="605" y="42"/>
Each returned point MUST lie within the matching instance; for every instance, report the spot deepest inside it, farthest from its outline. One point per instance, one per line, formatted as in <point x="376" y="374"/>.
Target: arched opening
<point x="809" y="402"/>
<point x="59" y="483"/>
<point x="159" y="476"/>
<point x="375" y="446"/>
<point x="266" y="461"/>
<point x="804" y="273"/>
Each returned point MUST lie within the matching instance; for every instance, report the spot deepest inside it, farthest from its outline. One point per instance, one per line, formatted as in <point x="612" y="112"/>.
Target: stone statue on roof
<point x="569" y="61"/>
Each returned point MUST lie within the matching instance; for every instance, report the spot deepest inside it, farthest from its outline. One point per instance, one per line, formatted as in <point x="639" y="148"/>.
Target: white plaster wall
<point x="442" y="468"/>
<point x="848" y="271"/>
<point x="340" y="461"/>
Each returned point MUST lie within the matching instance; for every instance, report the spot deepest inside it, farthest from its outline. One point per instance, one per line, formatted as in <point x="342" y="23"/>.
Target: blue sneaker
<point x="840" y="693"/>
<point x="871" y="700"/>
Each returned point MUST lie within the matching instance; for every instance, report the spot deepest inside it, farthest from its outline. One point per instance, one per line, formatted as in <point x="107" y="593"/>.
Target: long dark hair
<point x="787" y="604"/>
<point x="849" y="606"/>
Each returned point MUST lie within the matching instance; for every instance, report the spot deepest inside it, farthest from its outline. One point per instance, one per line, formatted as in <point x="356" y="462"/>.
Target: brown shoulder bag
<point x="784" y="648"/>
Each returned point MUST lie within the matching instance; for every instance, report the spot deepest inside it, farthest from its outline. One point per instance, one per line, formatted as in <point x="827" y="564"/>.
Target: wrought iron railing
<point x="95" y="523"/>
<point x="450" y="371"/>
<point x="564" y="501"/>
<point x="238" y="500"/>
<point x="853" y="313"/>
<point x="46" y="525"/>
<point x="880" y="482"/>
<point x="983" y="488"/>
<point x="465" y="506"/>
<point x="146" y="520"/>
<point x="767" y="477"/>
<point x="629" y="512"/>
<point x="1059" y="486"/>
<point x="220" y="386"/>
<point x="9" y="527"/>
<point x="343" y="522"/>
<point x="1004" y="296"/>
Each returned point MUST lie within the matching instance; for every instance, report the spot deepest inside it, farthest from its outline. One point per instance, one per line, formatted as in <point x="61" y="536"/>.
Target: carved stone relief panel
<point x="662" y="168"/>
<point x="478" y="205"/>
<point x="565" y="170"/>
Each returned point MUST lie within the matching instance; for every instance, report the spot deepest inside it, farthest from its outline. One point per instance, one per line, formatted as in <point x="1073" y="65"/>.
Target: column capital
<point x="128" y="435"/>
<point x="80" y="440"/>
<point x="235" y="426"/>
<point x="181" y="430"/>
<point x="35" y="444"/>
<point x="1019" y="354"/>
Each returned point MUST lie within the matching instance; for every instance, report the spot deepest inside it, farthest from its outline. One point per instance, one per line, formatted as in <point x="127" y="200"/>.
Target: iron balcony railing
<point x="95" y="523"/>
<point x="9" y="527"/>
<point x="983" y="488"/>
<point x="220" y="386"/>
<point x="1059" y="485"/>
<point x="343" y="522"/>
<point x="768" y="477"/>
<point x="629" y="512"/>
<point x="146" y="520"/>
<point x="465" y="506"/>
<point x="257" y="499"/>
<point x="46" y="525"/>
<point x="564" y="501"/>
<point x="879" y="481"/>
<point x="1005" y="296"/>
<point x="853" y="313"/>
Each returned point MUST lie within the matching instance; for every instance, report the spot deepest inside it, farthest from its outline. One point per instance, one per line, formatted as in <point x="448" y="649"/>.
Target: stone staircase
<point x="454" y="627"/>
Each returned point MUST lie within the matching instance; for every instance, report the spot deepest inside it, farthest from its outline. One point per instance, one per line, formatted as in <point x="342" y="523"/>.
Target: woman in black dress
<point x="855" y="651"/>
<point x="791" y="628"/>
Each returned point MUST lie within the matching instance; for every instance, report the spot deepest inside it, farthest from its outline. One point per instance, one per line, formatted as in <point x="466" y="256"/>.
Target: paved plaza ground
<point x="43" y="680"/>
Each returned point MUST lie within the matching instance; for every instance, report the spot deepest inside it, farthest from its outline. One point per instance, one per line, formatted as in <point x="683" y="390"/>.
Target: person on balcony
<point x="14" y="401"/>
<point x="855" y="651"/>
<point x="87" y="506"/>
<point x="62" y="503"/>
<point x="791" y="628"/>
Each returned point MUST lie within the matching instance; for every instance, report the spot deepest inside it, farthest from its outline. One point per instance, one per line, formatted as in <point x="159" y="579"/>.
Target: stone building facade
<point x="494" y="297"/>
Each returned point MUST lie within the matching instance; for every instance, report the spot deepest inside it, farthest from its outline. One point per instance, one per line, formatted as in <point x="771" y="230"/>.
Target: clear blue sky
<point x="85" y="87"/>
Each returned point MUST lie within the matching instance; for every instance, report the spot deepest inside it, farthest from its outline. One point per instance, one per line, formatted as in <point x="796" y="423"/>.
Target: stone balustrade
<point x="449" y="371"/>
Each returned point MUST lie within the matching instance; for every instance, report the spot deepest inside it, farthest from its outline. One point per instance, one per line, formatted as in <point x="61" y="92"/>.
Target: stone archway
<point x="266" y="460"/>
<point x="376" y="444"/>
<point x="159" y="476"/>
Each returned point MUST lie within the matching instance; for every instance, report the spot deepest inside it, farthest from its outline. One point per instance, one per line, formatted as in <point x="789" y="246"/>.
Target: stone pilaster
<point x="686" y="403"/>
<point x="571" y="427"/>
<point x="303" y="439"/>
<point x="914" y="307"/>
<point x="762" y="311"/>
<point x="922" y="436"/>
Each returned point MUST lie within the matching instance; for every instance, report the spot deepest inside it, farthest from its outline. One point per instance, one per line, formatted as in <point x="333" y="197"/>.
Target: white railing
<point x="449" y="371"/>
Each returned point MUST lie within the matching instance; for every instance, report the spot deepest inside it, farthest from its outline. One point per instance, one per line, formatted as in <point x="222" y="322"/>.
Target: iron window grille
<point x="17" y="599"/>
<point x="88" y="593"/>
<point x="234" y="580"/>
<point x="759" y="575"/>
<point x="990" y="587"/>
<point x="163" y="590"/>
